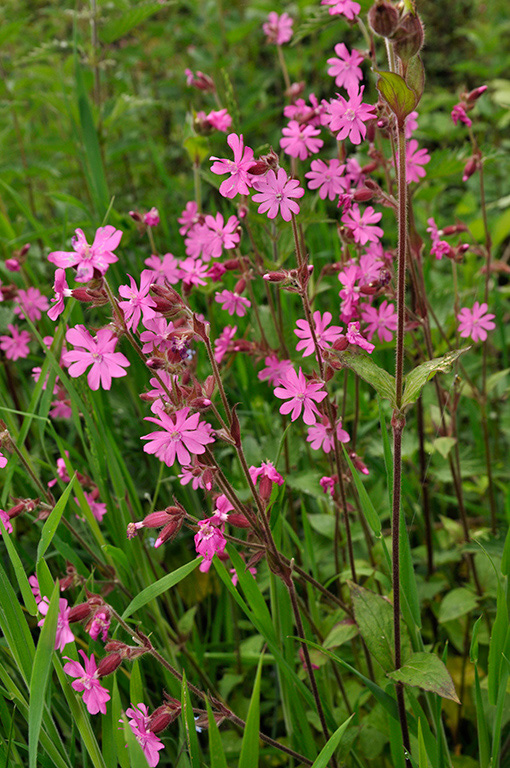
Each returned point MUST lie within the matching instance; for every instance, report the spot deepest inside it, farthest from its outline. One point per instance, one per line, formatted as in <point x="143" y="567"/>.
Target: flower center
<point x="350" y="114"/>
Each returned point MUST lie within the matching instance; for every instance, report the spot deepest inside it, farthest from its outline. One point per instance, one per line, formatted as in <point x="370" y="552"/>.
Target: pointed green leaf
<point x="456" y="603"/>
<point x="426" y="671"/>
<point x="160" y="586"/>
<point x="216" y="751"/>
<point x="21" y="577"/>
<point x="41" y="674"/>
<point x="417" y="378"/>
<point x="398" y="96"/>
<point x="415" y="77"/>
<point x="367" y="507"/>
<point x="374" y="617"/>
<point x="249" y="757"/>
<point x="15" y="628"/>
<point x="328" y="749"/>
<point x="189" y="725"/>
<point x="422" y="752"/>
<point x="364" y="366"/>
<point x="51" y="524"/>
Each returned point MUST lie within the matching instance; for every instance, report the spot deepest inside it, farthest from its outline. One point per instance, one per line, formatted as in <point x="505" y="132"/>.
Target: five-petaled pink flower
<point x="327" y="177"/>
<point x="30" y="303"/>
<point x="475" y="322"/>
<point x="138" y="302"/>
<point x="345" y="69"/>
<point x="382" y="320"/>
<point x="182" y="435"/>
<point x="320" y="435"/>
<point x="362" y="224"/>
<point x="15" y="346"/>
<point x="149" y="742"/>
<point x="99" y="352"/>
<point x="64" y="634"/>
<point x="347" y="118"/>
<point x="324" y="336"/>
<point x="239" y="180"/>
<point x="233" y="303"/>
<point x="275" y="193"/>
<point x="209" y="541"/>
<point x="275" y="371"/>
<point x="301" y="395"/>
<point x="348" y="8"/>
<point x="278" y="28"/>
<point x="62" y="291"/>
<point x="299" y="140"/>
<point x="87" y="257"/>
<point x="218" y="234"/>
<point x="223" y="342"/>
<point x="164" y="268"/>
<point x="94" y="695"/>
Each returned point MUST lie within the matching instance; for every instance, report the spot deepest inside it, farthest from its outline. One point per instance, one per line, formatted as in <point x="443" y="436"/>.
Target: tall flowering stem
<point x="398" y="421"/>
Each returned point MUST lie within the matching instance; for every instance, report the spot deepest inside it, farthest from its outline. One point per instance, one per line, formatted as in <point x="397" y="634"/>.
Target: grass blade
<point x="216" y="751"/>
<point x="328" y="749"/>
<point x="51" y="524"/>
<point x="249" y="756"/>
<point x="167" y="582"/>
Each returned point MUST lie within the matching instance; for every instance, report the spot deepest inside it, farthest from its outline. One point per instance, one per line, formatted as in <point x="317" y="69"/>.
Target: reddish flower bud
<point x="12" y="265"/>
<point x="276" y="277"/>
<point x="258" y="168"/>
<point x="169" y="531"/>
<point x="116" y="646"/>
<point x="81" y="294"/>
<point x="370" y="167"/>
<point x="265" y="488"/>
<point x="362" y="195"/>
<point x="109" y="664"/>
<point x="209" y="386"/>
<point x="80" y="612"/>
<point x="383" y="19"/>
<point x="454" y="229"/>
<point x="470" y="168"/>
<point x="238" y="520"/>
<point x="240" y="286"/>
<point x="136" y="216"/>
<point x="475" y="95"/>
<point x="295" y="90"/>
<point x="159" y="720"/>
<point x="232" y="264"/>
<point x="341" y="344"/>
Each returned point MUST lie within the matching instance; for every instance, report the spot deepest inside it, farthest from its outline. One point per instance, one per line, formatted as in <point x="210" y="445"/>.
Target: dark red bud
<point x="258" y="169"/>
<point x="240" y="286"/>
<point x="276" y="277"/>
<point x="135" y="216"/>
<point x="340" y="344"/>
<point x="238" y="520"/>
<point x="232" y="264"/>
<point x="474" y="95"/>
<point x="109" y="664"/>
<point x="470" y="168"/>
<point x="362" y="195"/>
<point x="454" y="229"/>
<point x="80" y="612"/>
<point x="383" y="19"/>
<point x="265" y="488"/>
<point x="169" y="532"/>
<point x="81" y="294"/>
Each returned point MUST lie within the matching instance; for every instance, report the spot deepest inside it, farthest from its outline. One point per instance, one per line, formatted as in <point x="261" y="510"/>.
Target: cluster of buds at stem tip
<point x="168" y="302"/>
<point x="118" y="652"/>
<point x="292" y="280"/>
<point x="398" y="24"/>
<point x="265" y="163"/>
<point x="164" y="715"/>
<point x="21" y="506"/>
<point x="14" y="263"/>
<point x="169" y="519"/>
<point x="96" y="297"/>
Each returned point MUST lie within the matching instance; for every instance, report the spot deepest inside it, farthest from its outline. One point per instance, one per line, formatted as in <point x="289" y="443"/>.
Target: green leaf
<point x="398" y="96"/>
<point x="328" y="749"/>
<point x="137" y="758"/>
<point x="197" y="148"/>
<point x="499" y="646"/>
<point x="422" y="752"/>
<point x="121" y="25"/>
<point x="21" y="577"/>
<point x="374" y="617"/>
<point x="167" y="582"/>
<point x="456" y="603"/>
<point x="367" y="507"/>
<point x="41" y="674"/>
<point x="426" y="671"/>
<point x="15" y="628"/>
<point x="51" y="524"/>
<point x="415" y="78"/>
<point x="216" y="751"/>
<point x="189" y="725"/>
<point x="417" y="378"/>
<point x="249" y="757"/>
<point x="444" y="445"/>
<point x="364" y="366"/>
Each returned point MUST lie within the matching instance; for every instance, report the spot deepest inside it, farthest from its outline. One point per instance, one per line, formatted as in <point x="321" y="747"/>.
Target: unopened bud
<point x="362" y="195"/>
<point x="475" y="95"/>
<point x="341" y="344"/>
<point x="240" y="286"/>
<point x="81" y="294"/>
<point x="265" y="488"/>
<point x="109" y="664"/>
<point x="12" y="265"/>
<point x="409" y="37"/>
<point x="136" y="216"/>
<point x="258" y="168"/>
<point x="79" y="612"/>
<point x="161" y="718"/>
<point x="276" y="277"/>
<point x="454" y="229"/>
<point x="238" y="520"/>
<point x="470" y="168"/>
<point x="169" y="532"/>
<point x="232" y="264"/>
<point x="383" y="19"/>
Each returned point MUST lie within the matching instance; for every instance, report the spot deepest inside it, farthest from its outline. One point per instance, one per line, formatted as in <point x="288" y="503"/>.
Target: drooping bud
<point x="240" y="286"/>
<point x="169" y="531"/>
<point x="362" y="195"/>
<point x="238" y="520"/>
<point x="383" y="19"/>
<point x="470" y="168"/>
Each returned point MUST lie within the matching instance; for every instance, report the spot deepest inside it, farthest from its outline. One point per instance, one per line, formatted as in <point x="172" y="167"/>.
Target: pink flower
<point x="350" y="292"/>
<point x="459" y="113"/>
<point x="475" y="322"/>
<point x="94" y="695"/>
<point x="193" y="272"/>
<point x="138" y="301"/>
<point x="349" y="117"/>
<point x="223" y="341"/>
<point x="303" y="112"/>
<point x="345" y="69"/>
<point x="199" y="475"/>
<point x="100" y="625"/>
<point x="149" y="742"/>
<point x="233" y="303"/>
<point x="98" y="352"/>
<point x="182" y="435"/>
<point x="64" y="634"/>
<point x="219" y="119"/>
<point x="151" y="218"/>
<point x="299" y="140"/>
<point x="348" y="8"/>
<point x="158" y="336"/>
<point x="61" y="472"/>
<point x="15" y="346"/>
<point x="164" y="268"/>
<point x="275" y="194"/>
<point x="324" y="336"/>
<point x="383" y="320"/>
<point x="327" y="177"/>
<point x="440" y="248"/>
<point x="415" y="159"/>
<point x="34" y="586"/>
<point x="239" y="180"/>
<point x="266" y="469"/>
<point x="30" y="303"/>
<point x="275" y="371"/>
<point x="62" y="291"/>
<point x="355" y="337"/>
<point x="222" y="507"/>
<point x="320" y="435"/>
<point x="300" y="394"/>
<point x="209" y="541"/>
<point x="87" y="257"/>
<point x="189" y="217"/>
<point x="278" y="28"/>
<point x="98" y="508"/>
<point x="4" y="517"/>
<point x="218" y="235"/>
<point x="3" y="461"/>
<point x="361" y="224"/>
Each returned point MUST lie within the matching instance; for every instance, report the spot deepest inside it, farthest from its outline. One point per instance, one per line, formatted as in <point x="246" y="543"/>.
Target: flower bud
<point x="80" y="612"/>
<point x="454" y="229"/>
<point x="470" y="168"/>
<point x="275" y="277"/>
<point x="136" y="216"/>
<point x="169" y="532"/>
<point x="341" y="344"/>
<point x="258" y="168"/>
<point x="475" y="95"/>
<point x="116" y="646"/>
<point x="240" y="286"/>
<point x="161" y="718"/>
<point x="409" y="37"/>
<point x="109" y="664"/>
<point x="362" y="195"/>
<point x="265" y="488"/>
<point x="12" y="265"/>
<point x="238" y="520"/>
<point x="383" y="19"/>
<point x="232" y="264"/>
